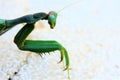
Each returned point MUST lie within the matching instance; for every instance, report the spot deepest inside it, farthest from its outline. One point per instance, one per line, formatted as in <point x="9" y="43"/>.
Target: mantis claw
<point x="64" y="54"/>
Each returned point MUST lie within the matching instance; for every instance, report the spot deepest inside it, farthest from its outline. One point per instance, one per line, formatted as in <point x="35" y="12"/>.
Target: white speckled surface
<point x="89" y="30"/>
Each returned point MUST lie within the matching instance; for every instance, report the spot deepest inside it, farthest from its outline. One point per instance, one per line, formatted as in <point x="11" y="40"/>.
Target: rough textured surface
<point x="93" y="42"/>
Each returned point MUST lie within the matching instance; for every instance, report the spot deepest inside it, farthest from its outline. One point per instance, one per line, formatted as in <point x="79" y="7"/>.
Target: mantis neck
<point x="26" y="19"/>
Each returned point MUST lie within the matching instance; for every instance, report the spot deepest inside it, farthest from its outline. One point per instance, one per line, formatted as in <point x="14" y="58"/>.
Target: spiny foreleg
<point x="39" y="46"/>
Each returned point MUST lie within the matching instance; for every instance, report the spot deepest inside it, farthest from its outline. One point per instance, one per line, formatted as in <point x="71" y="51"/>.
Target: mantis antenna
<point x="78" y="1"/>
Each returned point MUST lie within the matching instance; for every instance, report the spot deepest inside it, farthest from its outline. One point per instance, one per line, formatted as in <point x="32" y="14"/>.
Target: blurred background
<point x="88" y="29"/>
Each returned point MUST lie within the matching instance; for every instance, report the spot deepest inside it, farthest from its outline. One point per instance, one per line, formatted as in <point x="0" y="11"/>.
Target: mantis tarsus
<point x="37" y="46"/>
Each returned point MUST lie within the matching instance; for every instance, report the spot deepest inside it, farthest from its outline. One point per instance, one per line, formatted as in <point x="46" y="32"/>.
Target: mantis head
<point x="52" y="19"/>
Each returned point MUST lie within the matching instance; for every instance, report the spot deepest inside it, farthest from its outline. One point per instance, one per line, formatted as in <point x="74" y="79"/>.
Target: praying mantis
<point x="37" y="46"/>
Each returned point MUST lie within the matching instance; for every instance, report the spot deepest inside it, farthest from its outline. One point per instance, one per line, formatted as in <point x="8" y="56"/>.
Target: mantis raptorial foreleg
<point x="38" y="46"/>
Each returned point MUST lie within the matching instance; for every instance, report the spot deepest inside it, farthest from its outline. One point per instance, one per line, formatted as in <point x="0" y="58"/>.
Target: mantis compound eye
<point x="52" y="19"/>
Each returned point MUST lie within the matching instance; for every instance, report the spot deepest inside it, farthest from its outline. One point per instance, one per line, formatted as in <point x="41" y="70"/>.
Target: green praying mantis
<point x="37" y="46"/>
